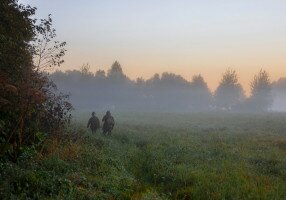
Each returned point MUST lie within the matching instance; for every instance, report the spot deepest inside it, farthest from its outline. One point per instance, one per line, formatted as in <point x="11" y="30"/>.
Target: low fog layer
<point x="167" y="92"/>
<point x="279" y="94"/>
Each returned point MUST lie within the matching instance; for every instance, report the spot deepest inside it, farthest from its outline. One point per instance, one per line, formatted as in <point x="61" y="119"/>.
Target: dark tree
<point x="115" y="71"/>
<point x="100" y="74"/>
<point x="140" y="82"/>
<point x="154" y="80"/>
<point x="24" y="91"/>
<point x="48" y="52"/>
<point x="261" y="97"/>
<point x="16" y="31"/>
<point x="201" y="98"/>
<point x="229" y="92"/>
<point x="85" y="70"/>
<point x="17" y="76"/>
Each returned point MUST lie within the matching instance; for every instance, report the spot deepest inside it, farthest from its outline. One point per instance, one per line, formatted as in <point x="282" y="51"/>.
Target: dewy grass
<point x="159" y="156"/>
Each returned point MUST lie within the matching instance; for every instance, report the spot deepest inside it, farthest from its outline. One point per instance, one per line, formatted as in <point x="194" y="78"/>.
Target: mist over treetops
<point x="113" y="89"/>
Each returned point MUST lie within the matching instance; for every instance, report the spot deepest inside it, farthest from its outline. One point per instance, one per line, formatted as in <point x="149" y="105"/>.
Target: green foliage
<point x="29" y="103"/>
<point x="160" y="156"/>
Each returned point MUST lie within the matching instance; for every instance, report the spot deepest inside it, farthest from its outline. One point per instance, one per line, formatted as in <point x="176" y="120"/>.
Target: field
<point x="158" y="156"/>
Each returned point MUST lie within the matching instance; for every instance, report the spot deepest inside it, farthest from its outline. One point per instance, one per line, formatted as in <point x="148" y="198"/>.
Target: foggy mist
<point x="168" y="92"/>
<point x="279" y="93"/>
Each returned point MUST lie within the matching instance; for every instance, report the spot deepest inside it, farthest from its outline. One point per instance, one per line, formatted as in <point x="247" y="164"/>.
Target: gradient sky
<point x="186" y="37"/>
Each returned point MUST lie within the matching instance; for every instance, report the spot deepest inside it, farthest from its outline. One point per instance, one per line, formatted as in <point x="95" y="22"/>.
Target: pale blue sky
<point x="184" y="36"/>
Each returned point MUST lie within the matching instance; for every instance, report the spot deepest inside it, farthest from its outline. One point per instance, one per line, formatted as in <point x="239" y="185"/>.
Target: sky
<point x="186" y="37"/>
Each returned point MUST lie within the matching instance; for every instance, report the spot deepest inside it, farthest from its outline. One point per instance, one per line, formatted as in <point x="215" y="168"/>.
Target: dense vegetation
<point x="30" y="107"/>
<point x="168" y="92"/>
<point x="158" y="156"/>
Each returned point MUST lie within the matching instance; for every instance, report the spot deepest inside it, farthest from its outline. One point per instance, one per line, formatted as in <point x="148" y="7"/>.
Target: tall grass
<point x="159" y="156"/>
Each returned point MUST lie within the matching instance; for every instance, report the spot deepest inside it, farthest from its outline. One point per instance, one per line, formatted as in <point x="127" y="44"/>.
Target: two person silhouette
<point x="108" y="123"/>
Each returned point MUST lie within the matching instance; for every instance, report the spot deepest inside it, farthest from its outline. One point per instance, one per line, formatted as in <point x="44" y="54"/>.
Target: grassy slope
<point x="159" y="156"/>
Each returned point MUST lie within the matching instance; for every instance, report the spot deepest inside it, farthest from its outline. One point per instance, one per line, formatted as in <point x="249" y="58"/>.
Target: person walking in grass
<point x="93" y="123"/>
<point x="108" y="123"/>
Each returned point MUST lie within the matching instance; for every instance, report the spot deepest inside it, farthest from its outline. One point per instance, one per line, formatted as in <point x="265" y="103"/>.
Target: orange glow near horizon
<point x="186" y="37"/>
<point x="211" y="69"/>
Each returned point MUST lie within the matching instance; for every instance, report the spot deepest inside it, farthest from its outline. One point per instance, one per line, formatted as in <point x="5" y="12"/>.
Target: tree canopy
<point x="261" y="96"/>
<point x="229" y="92"/>
<point x="29" y="103"/>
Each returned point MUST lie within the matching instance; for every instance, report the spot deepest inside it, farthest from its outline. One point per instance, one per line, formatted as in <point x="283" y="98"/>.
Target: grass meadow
<point x="157" y="156"/>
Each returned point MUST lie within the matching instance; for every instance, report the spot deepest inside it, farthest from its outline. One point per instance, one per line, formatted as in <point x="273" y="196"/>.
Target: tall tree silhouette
<point x="48" y="52"/>
<point x="261" y="97"/>
<point x="116" y="72"/>
<point x="201" y="98"/>
<point x="100" y="74"/>
<point x="229" y="92"/>
<point x="85" y="70"/>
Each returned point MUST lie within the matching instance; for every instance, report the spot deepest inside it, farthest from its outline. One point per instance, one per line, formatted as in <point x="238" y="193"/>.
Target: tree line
<point x="32" y="109"/>
<point x="165" y="92"/>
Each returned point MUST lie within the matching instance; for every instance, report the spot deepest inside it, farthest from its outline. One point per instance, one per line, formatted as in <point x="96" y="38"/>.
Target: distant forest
<point x="167" y="92"/>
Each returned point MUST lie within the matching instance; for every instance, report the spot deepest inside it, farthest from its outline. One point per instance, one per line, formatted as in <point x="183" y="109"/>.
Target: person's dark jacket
<point x="93" y="123"/>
